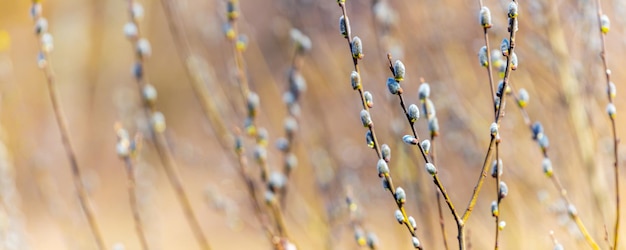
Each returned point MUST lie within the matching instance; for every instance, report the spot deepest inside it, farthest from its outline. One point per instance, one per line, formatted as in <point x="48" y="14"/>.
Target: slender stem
<point x="163" y="149"/>
<point x="132" y="195"/>
<point x="489" y="67"/>
<point x="499" y="115"/>
<point x="574" y="215"/>
<point x="499" y="198"/>
<point x="376" y="146"/>
<point x="442" y="222"/>
<point x="607" y="73"/>
<point x="82" y="193"/>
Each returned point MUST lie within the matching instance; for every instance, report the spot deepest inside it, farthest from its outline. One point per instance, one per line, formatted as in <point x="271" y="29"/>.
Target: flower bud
<point x="497" y="168"/>
<point x="612" y="91"/>
<point x="393" y="86"/>
<point x="610" y="109"/>
<point x="605" y="24"/>
<point x="546" y="164"/>
<point x="342" y="27"/>
<point x="149" y="93"/>
<point x="425" y="146"/>
<point x="369" y="139"/>
<point x="416" y="242"/>
<point x="433" y="126"/>
<point x="413" y="113"/>
<point x="424" y="91"/>
<point x="513" y="9"/>
<point x="485" y="17"/>
<point x="158" y="122"/>
<point x="369" y="99"/>
<point x="366" y="119"/>
<point x="514" y="61"/>
<point x="523" y="98"/>
<point x="253" y="104"/>
<point x="505" y="46"/>
<point x="399" y="216"/>
<point x="482" y="57"/>
<point x="504" y="190"/>
<point x="355" y="79"/>
<point x="357" y="48"/>
<point x="412" y="222"/>
<point x="41" y="25"/>
<point x="386" y="152"/>
<point x="400" y="195"/>
<point x="431" y="169"/>
<point x="383" y="168"/>
<point x="537" y="129"/>
<point x="399" y="70"/>
<point x="131" y="31"/>
<point x="409" y="139"/>
<point x="143" y="48"/>
<point x="494" y="209"/>
<point x="494" y="129"/>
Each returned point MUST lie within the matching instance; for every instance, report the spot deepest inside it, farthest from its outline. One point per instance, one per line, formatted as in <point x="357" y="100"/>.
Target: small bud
<point x="497" y="168"/>
<point x="494" y="129"/>
<point x="412" y="222"/>
<point x="546" y="164"/>
<point x="158" y="122"/>
<point x="501" y="225"/>
<point x="416" y="242"/>
<point x="242" y="43"/>
<point x="514" y="61"/>
<point x="372" y="240"/>
<point x="605" y="24"/>
<point x="612" y="91"/>
<point x="238" y="144"/>
<point x="399" y="70"/>
<point x="123" y="147"/>
<point x="494" y="209"/>
<point x="136" y="11"/>
<point x="424" y="91"/>
<point x="504" y="190"/>
<point x="366" y="119"/>
<point x="399" y="217"/>
<point x="513" y="9"/>
<point x="558" y="246"/>
<point x="340" y="2"/>
<point x="262" y="136"/>
<point x="41" y="60"/>
<point x="425" y="146"/>
<point x="571" y="210"/>
<point x="400" y="195"/>
<point x="249" y="126"/>
<point x="385" y="184"/>
<point x="229" y="32"/>
<point x="429" y="109"/>
<point x="433" y="126"/>
<point x="544" y="143"/>
<point x="485" y="17"/>
<point x="282" y="144"/>
<point x="610" y="109"/>
<point x="35" y="10"/>
<point x="413" y="113"/>
<point x="523" y="98"/>
<point x="355" y="79"/>
<point x="253" y="104"/>
<point x="143" y="48"/>
<point x="41" y="26"/>
<point x="291" y="161"/>
<point x="269" y="197"/>
<point x="369" y="99"/>
<point x="482" y="56"/>
<point x="342" y="27"/>
<point x="383" y="168"/>
<point x="409" y="139"/>
<point x="260" y="154"/>
<point x="301" y="41"/>
<point x="276" y="181"/>
<point x="393" y="86"/>
<point x="537" y="129"/>
<point x="131" y="31"/>
<point x="149" y="93"/>
<point x="431" y="169"/>
<point x="369" y="139"/>
<point x="291" y="126"/>
<point x="386" y="152"/>
<point x="357" y="48"/>
<point x="137" y="70"/>
<point x="232" y="10"/>
<point x="505" y="46"/>
<point x="47" y="42"/>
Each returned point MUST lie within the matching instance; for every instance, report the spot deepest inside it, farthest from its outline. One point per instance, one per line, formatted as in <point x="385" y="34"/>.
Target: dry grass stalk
<point x="46" y="46"/>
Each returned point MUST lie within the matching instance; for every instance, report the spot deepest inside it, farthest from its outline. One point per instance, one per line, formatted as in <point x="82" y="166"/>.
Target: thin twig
<point x="607" y="73"/>
<point x="82" y="193"/>
<point x="376" y="145"/>
<point x="163" y="150"/>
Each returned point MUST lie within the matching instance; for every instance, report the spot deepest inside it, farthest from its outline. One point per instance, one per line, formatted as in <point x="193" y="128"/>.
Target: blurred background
<point x="558" y="47"/>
